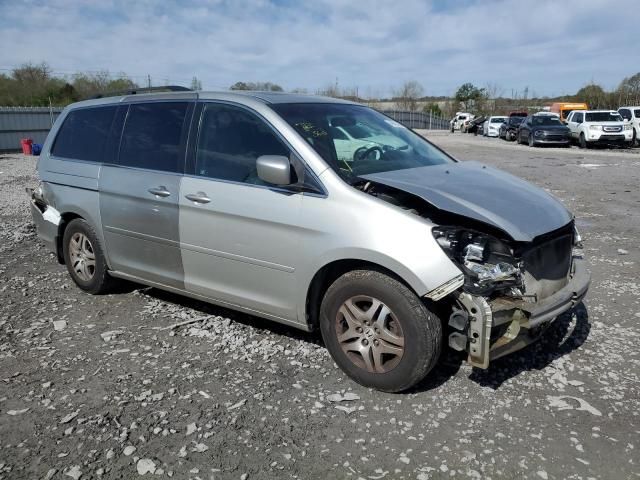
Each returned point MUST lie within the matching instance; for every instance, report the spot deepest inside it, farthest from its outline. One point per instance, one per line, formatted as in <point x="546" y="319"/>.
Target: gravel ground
<point x="96" y="387"/>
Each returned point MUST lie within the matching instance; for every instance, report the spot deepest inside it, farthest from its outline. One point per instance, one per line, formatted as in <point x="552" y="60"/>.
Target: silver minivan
<point x="392" y="249"/>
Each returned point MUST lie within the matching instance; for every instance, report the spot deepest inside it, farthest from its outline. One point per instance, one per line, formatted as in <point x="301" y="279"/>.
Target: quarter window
<point x="84" y="133"/>
<point x="154" y="136"/>
<point x="230" y="141"/>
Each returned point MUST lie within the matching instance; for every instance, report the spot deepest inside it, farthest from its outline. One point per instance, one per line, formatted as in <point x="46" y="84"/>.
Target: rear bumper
<point x="46" y="220"/>
<point x="501" y="327"/>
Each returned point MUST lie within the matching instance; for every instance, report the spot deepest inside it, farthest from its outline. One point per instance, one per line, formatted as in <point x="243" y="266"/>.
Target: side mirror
<point x="274" y="169"/>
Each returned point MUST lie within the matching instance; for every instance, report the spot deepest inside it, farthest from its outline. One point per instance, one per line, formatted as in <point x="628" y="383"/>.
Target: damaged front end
<point x="513" y="242"/>
<point x="512" y="290"/>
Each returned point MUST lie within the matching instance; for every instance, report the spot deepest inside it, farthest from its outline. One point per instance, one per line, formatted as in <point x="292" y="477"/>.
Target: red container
<point x="26" y="145"/>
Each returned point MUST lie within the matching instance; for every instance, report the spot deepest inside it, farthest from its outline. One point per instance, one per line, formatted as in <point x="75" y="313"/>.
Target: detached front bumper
<point x="503" y="326"/>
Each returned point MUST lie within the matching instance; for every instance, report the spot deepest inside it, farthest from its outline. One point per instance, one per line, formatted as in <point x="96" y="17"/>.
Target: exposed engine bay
<point x="512" y="290"/>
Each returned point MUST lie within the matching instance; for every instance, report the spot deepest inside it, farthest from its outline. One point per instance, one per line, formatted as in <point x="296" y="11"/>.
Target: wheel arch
<point x="328" y="274"/>
<point x="65" y="219"/>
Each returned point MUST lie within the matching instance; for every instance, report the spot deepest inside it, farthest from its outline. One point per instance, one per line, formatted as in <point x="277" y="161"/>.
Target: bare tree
<point x="407" y="96"/>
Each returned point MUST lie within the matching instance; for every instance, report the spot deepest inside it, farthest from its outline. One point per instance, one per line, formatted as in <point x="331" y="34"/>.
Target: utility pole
<point x="149" y="81"/>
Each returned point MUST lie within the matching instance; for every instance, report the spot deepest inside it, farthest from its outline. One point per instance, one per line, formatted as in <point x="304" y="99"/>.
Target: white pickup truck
<point x="457" y="122"/>
<point x="590" y="127"/>
<point x="632" y="115"/>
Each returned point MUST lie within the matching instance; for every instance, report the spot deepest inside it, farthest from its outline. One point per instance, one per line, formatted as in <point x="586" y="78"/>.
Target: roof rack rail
<point x="135" y="91"/>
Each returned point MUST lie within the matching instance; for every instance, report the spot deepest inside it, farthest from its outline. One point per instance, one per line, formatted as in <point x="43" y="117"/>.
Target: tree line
<point x="36" y="85"/>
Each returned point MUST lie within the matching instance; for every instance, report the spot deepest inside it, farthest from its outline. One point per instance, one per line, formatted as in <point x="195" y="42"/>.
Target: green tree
<point x="433" y="109"/>
<point x="469" y="95"/>
<point x="594" y="96"/>
<point x="257" y="86"/>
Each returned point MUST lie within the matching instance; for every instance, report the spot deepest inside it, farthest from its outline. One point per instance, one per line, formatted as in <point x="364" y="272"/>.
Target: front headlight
<point x="595" y="127"/>
<point x="627" y="127"/>
<point x="577" y="238"/>
<point x="539" y="133"/>
<point x="487" y="262"/>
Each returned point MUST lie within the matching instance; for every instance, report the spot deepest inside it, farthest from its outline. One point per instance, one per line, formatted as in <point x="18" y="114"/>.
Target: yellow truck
<point x="564" y="109"/>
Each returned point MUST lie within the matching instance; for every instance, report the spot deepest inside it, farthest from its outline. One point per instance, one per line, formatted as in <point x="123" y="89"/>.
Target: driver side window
<point x="230" y="141"/>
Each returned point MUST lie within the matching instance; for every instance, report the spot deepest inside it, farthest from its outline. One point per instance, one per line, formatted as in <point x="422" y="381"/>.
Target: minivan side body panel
<point x="259" y="248"/>
<point x="70" y="186"/>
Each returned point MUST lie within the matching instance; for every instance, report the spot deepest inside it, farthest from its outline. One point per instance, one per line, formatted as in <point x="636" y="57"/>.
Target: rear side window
<point x="84" y="133"/>
<point x="154" y="136"/>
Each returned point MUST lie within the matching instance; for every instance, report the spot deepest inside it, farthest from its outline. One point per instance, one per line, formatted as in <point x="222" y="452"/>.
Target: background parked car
<point x="591" y="127"/>
<point x="491" y="126"/>
<point x="475" y="124"/>
<point x="543" y="129"/>
<point x="457" y="121"/>
<point x="632" y="115"/>
<point x="509" y="129"/>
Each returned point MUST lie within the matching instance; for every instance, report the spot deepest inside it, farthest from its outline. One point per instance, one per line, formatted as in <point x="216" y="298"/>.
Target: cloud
<point x="551" y="47"/>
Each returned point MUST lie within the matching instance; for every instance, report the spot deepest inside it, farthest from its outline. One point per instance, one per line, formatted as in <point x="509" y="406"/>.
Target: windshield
<point x="498" y="119"/>
<point x="359" y="131"/>
<point x="546" y="120"/>
<point x="636" y="113"/>
<point x="391" y="147"/>
<point x="515" y="120"/>
<point x="603" y="117"/>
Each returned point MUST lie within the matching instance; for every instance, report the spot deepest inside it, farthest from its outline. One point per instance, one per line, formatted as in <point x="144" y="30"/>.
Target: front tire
<point x="378" y="331"/>
<point x="582" y="141"/>
<point x="84" y="257"/>
<point x="531" y="142"/>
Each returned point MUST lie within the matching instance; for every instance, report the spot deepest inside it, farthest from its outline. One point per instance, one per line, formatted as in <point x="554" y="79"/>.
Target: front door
<point x="239" y="236"/>
<point x="139" y="193"/>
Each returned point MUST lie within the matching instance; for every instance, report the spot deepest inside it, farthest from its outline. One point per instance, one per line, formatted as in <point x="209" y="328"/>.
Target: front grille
<point x="612" y="129"/>
<point x="555" y="137"/>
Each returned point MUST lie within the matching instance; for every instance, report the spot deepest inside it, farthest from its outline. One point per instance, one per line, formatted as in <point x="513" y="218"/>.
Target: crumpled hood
<point x="483" y="193"/>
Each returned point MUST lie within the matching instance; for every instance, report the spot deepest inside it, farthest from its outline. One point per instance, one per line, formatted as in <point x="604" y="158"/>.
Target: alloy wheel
<point x="369" y="334"/>
<point x="83" y="259"/>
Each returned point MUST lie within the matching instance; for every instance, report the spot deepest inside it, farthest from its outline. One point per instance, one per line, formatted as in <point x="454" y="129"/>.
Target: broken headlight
<point x="487" y="262"/>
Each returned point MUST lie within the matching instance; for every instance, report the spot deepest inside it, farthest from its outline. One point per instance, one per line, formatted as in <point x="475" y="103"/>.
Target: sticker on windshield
<point x="393" y="123"/>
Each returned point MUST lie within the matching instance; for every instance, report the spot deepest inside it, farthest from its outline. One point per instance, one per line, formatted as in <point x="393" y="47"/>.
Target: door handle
<point x="160" y="191"/>
<point x="199" y="197"/>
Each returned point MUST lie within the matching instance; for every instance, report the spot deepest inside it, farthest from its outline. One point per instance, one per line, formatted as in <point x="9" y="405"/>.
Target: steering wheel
<point x="363" y="153"/>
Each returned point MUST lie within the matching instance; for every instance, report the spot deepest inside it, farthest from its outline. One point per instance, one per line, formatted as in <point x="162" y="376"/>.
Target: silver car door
<point x="239" y="236"/>
<point x="139" y="193"/>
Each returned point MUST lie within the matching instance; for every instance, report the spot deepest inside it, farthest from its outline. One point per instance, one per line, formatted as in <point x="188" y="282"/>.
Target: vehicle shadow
<point x="234" y="315"/>
<point x="565" y="335"/>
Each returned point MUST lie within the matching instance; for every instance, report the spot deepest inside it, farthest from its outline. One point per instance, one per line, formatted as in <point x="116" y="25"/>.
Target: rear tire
<point x="84" y="257"/>
<point x="378" y="331"/>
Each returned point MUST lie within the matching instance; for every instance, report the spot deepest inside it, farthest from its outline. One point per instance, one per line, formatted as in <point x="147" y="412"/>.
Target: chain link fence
<point x="418" y="120"/>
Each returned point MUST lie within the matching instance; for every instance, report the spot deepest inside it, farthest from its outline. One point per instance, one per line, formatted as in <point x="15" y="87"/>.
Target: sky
<point x="552" y="47"/>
